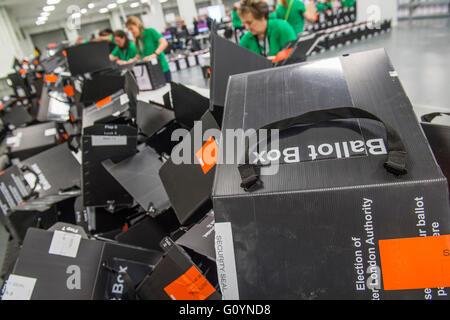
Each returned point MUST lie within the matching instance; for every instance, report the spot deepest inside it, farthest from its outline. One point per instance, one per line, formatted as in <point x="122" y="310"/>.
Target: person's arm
<point x="309" y="13"/>
<point x="309" y="17"/>
<point x="163" y="44"/>
<point x="114" y="54"/>
<point x="102" y="38"/>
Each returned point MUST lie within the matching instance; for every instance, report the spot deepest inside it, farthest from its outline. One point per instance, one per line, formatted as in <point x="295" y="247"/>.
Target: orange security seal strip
<point x="190" y="286"/>
<point x="101" y="103"/>
<point x="51" y="78"/>
<point x="282" y="55"/>
<point x="415" y="263"/>
<point x="69" y="91"/>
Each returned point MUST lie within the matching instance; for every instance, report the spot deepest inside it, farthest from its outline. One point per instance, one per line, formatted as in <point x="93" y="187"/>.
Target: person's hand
<point x="120" y="62"/>
<point x="153" y="56"/>
<point x="271" y="58"/>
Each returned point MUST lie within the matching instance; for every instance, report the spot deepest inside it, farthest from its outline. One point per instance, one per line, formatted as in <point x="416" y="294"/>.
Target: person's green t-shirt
<point x="273" y="15"/>
<point x="149" y="44"/>
<point x="320" y="7"/>
<point x="347" y="3"/>
<point x="279" y="33"/>
<point x="237" y="23"/>
<point x="295" y="17"/>
<point x="125" y="54"/>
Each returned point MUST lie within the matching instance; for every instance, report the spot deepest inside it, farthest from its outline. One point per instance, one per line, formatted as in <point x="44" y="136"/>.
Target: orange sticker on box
<point x="282" y="55"/>
<point x="101" y="103"/>
<point x="415" y="263"/>
<point x="23" y="71"/>
<point x="190" y="286"/>
<point x="51" y="78"/>
<point x="207" y="155"/>
<point x="1" y="106"/>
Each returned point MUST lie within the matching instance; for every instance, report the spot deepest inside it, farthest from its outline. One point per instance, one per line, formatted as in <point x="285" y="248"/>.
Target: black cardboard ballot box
<point x="228" y="59"/>
<point x="26" y="142"/>
<point x="103" y="85"/>
<point x="200" y="238"/>
<point x="189" y="184"/>
<point x="438" y="136"/>
<point x="29" y="191"/>
<point x="151" y="118"/>
<point x="139" y="175"/>
<point x="149" y="75"/>
<point x="17" y="116"/>
<point x="189" y="106"/>
<point x="176" y="277"/>
<point x="86" y="274"/>
<point x="57" y="170"/>
<point x="308" y="218"/>
<point x="102" y="142"/>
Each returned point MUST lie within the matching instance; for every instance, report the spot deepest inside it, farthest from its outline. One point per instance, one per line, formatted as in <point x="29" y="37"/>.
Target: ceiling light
<point x="103" y="10"/>
<point x="121" y="1"/>
<point x="48" y="8"/>
<point x="112" y="5"/>
<point x="83" y="11"/>
<point x="45" y="14"/>
<point x="91" y="5"/>
<point x="53" y="1"/>
<point x="134" y="4"/>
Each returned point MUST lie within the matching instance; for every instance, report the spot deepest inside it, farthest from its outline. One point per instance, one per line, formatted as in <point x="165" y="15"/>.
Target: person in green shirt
<point x="264" y="37"/>
<point x="125" y="49"/>
<point x="150" y="44"/>
<point x="294" y="12"/>
<point x="237" y="24"/>
<point x="347" y="3"/>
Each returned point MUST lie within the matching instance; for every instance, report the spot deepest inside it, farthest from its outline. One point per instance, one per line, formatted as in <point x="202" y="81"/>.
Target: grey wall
<point x="41" y="40"/>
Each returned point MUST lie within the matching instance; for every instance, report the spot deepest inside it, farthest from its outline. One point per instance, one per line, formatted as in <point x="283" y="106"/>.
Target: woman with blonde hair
<point x="294" y="12"/>
<point x="150" y="44"/>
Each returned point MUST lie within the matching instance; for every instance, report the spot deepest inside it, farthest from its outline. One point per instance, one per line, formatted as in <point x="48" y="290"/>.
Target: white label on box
<point x="154" y="61"/>
<point x="226" y="264"/>
<point x="50" y="132"/>
<point x="14" y="142"/>
<point x="142" y="78"/>
<point x="182" y="63"/>
<point x="30" y="178"/>
<point x="393" y="74"/>
<point x="65" y="244"/>
<point x="124" y="99"/>
<point x="18" y="288"/>
<point x="192" y="61"/>
<point x="172" y="66"/>
<point x="98" y="141"/>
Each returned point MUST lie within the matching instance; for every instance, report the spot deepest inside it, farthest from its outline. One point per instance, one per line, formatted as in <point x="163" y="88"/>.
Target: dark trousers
<point x="168" y="76"/>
